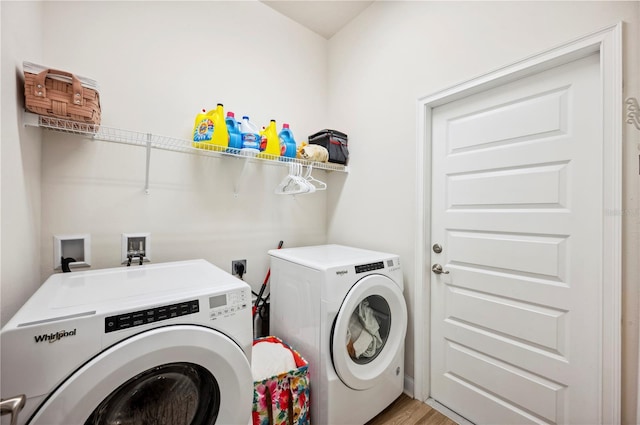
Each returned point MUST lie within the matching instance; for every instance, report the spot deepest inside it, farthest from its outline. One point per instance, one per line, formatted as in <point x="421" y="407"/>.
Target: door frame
<point x="608" y="42"/>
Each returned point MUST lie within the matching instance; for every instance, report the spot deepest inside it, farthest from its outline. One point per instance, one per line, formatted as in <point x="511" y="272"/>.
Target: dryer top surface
<point x="324" y="257"/>
<point x="110" y="289"/>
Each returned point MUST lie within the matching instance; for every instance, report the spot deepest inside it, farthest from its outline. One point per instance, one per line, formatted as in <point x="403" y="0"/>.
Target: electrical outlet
<point x="136" y="245"/>
<point x="238" y="267"/>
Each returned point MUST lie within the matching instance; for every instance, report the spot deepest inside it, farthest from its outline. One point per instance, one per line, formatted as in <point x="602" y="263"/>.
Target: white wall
<point x="158" y="64"/>
<point x="20" y="155"/>
<point x="396" y="52"/>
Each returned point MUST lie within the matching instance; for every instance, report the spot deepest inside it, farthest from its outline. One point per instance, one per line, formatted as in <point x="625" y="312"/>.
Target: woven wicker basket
<point x="67" y="100"/>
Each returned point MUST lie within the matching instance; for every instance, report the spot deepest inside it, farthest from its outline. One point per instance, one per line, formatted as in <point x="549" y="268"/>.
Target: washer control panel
<point x="378" y="265"/>
<point x="369" y="267"/>
<point x="150" y="315"/>
<point x="227" y="304"/>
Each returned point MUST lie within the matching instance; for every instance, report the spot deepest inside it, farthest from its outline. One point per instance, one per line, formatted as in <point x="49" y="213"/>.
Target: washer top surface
<point x="115" y="288"/>
<point x="324" y="257"/>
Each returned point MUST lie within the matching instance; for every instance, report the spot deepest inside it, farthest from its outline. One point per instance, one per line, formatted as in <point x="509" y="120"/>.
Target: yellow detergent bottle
<point x="270" y="141"/>
<point x="203" y="128"/>
<point x="210" y="129"/>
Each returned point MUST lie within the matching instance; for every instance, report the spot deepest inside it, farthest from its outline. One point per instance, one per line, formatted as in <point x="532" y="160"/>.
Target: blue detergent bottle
<point x="288" y="147"/>
<point x="235" y="138"/>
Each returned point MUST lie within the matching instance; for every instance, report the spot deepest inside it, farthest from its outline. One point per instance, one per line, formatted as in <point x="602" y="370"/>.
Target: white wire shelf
<point x="153" y="141"/>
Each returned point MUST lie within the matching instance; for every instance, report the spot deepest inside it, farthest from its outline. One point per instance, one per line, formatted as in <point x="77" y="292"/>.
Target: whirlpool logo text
<point x="53" y="337"/>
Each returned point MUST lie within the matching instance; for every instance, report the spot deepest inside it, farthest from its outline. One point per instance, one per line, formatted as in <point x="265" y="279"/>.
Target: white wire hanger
<point x="319" y="185"/>
<point x="294" y="183"/>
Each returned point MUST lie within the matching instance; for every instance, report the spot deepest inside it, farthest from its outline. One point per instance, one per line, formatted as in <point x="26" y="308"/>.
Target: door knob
<point x="437" y="269"/>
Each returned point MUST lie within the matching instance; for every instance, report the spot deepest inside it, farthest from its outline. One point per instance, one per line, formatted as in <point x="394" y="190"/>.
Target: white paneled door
<point x="517" y="207"/>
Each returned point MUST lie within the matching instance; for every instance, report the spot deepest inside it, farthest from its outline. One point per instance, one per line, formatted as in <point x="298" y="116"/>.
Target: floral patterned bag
<point x="282" y="399"/>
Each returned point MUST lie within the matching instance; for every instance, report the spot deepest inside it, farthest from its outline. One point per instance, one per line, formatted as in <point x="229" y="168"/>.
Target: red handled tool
<point x="254" y="310"/>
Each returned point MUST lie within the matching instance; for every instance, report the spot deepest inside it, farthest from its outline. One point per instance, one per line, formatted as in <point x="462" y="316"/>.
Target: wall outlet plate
<point x="76" y="246"/>
<point x="234" y="266"/>
<point x="136" y="244"/>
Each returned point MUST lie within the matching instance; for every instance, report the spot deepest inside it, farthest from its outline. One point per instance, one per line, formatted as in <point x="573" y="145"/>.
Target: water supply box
<point x="335" y="142"/>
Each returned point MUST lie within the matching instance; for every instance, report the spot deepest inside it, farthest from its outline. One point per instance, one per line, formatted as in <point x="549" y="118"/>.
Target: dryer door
<point x="181" y="374"/>
<point x="368" y="331"/>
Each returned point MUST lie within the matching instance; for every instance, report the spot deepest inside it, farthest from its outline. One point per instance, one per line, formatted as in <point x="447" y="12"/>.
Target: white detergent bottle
<point x="250" y="136"/>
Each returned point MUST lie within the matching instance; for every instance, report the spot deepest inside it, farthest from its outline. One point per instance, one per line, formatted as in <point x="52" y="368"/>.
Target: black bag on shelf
<point x="335" y="142"/>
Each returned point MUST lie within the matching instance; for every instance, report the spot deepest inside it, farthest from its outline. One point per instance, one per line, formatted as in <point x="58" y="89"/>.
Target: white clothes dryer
<point x="161" y="343"/>
<point x="342" y="308"/>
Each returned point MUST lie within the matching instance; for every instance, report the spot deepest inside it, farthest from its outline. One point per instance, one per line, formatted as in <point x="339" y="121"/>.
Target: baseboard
<point x="408" y="386"/>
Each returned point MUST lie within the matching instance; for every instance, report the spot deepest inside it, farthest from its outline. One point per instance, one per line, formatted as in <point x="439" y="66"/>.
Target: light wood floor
<point x="408" y="411"/>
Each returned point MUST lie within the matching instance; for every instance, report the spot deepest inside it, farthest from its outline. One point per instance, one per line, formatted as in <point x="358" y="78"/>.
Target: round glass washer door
<point x="368" y="331"/>
<point x="174" y="393"/>
<point x="211" y="369"/>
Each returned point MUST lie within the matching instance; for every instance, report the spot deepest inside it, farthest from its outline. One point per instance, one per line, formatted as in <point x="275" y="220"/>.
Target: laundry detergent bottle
<point x="250" y="135"/>
<point x="203" y="128"/>
<point x="270" y="143"/>
<point x="211" y="129"/>
<point x="235" y="138"/>
<point x="288" y="147"/>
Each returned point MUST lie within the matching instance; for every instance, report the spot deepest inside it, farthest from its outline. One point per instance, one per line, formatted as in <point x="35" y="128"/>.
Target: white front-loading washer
<point x="165" y="343"/>
<point x="343" y="309"/>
